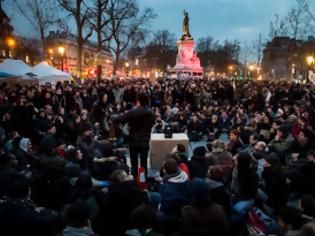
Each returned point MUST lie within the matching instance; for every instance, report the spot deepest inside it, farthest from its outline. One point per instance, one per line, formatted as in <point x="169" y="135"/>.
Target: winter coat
<point x="140" y="121"/>
<point x="175" y="193"/>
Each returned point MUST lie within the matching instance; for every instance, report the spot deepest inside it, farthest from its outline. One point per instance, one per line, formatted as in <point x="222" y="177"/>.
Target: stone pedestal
<point x="187" y="61"/>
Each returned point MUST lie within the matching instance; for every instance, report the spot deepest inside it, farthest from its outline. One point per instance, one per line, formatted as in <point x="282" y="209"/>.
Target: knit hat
<point x="200" y="190"/>
<point x="24" y="144"/>
<point x="200" y="151"/>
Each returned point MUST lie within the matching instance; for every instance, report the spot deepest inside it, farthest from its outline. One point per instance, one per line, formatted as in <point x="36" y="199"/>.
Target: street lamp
<point x="11" y="43"/>
<point x="230" y="69"/>
<point x="51" y="51"/>
<point x="127" y="65"/>
<point x="61" y="50"/>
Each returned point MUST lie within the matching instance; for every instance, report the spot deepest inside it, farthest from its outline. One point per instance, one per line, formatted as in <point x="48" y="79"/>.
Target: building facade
<point x="67" y="60"/>
<point x="285" y="58"/>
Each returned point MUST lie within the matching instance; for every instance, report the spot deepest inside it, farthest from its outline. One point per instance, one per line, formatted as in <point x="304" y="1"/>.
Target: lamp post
<point x="127" y="66"/>
<point x="61" y="50"/>
<point x="230" y="69"/>
<point x="51" y="52"/>
<point x="310" y="62"/>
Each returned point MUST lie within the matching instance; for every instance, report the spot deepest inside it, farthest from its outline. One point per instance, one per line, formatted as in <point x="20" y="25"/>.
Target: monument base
<point x="187" y="61"/>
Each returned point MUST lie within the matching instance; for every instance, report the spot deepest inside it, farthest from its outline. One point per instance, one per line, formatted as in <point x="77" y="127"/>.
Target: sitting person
<point x="19" y="215"/>
<point x="276" y="187"/>
<point x="290" y="220"/>
<point x="195" y="129"/>
<point x="219" y="194"/>
<point x="282" y="142"/>
<point x="301" y="145"/>
<point x="244" y="183"/>
<point x="217" y="147"/>
<point x="235" y="144"/>
<point x="199" y="163"/>
<point x="175" y="191"/>
<point x="180" y="149"/>
<point x="78" y="220"/>
<point x="213" y="128"/>
<point x="143" y="220"/>
<point x="203" y="217"/>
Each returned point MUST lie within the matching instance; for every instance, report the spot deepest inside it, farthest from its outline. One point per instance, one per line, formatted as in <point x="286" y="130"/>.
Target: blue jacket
<point x="175" y="193"/>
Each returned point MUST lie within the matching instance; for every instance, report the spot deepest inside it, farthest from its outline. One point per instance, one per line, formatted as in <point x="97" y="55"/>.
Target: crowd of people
<point x="65" y="149"/>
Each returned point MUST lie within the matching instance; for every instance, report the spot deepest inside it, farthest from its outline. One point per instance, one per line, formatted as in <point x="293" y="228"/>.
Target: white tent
<point x="46" y="73"/>
<point x="15" y="67"/>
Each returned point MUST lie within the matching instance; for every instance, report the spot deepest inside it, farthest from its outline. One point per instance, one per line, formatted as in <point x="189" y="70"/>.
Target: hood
<point x="179" y="177"/>
<point x="24" y="144"/>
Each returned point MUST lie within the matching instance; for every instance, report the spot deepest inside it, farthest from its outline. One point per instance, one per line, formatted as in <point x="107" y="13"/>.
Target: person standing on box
<point x="140" y="121"/>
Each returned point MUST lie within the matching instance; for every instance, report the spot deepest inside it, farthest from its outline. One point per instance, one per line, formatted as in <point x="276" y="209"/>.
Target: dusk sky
<point x="232" y="19"/>
<point x="222" y="19"/>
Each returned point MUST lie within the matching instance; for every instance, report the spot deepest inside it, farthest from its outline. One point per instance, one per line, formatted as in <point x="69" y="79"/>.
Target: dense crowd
<point x="64" y="154"/>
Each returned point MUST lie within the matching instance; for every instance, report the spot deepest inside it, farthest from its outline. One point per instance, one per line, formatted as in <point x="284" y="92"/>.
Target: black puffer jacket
<point x="140" y="121"/>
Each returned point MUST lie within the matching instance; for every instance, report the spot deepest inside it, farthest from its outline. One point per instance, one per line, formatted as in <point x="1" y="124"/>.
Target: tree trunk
<point x="99" y="49"/>
<point x="116" y="64"/>
<point x="79" y="50"/>
<point x="43" y="41"/>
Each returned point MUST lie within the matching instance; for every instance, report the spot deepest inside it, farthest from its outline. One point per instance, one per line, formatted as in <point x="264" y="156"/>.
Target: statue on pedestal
<point x="186" y="26"/>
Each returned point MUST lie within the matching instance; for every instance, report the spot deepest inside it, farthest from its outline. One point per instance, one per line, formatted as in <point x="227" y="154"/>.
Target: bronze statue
<point x="186" y="24"/>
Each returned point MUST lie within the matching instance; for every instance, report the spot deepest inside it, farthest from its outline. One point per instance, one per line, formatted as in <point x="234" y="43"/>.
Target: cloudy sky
<point x="222" y="19"/>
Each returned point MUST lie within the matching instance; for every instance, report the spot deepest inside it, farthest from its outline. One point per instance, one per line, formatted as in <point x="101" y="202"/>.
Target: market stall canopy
<point x="15" y="67"/>
<point x="47" y="73"/>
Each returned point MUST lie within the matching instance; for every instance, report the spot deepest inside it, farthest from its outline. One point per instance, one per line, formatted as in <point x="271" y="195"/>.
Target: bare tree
<point x="164" y="38"/>
<point x="205" y="44"/>
<point x="127" y="27"/>
<point x="277" y="27"/>
<point x="79" y="10"/>
<point x="296" y="20"/>
<point x="99" y="21"/>
<point x="257" y="49"/>
<point x="297" y="23"/>
<point x="41" y="14"/>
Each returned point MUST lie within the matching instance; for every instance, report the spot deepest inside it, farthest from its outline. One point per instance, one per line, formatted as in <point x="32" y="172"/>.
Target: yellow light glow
<point x="11" y="42"/>
<point x="230" y="67"/>
<point x="251" y="67"/>
<point x="127" y="64"/>
<point x="61" y="50"/>
<point x="310" y="60"/>
<point x="50" y="50"/>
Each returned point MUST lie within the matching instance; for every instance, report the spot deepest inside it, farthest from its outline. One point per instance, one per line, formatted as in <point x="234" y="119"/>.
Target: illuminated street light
<point x="51" y="51"/>
<point x="251" y="67"/>
<point x="61" y="50"/>
<point x="127" y="65"/>
<point x="11" y="42"/>
<point x="310" y="60"/>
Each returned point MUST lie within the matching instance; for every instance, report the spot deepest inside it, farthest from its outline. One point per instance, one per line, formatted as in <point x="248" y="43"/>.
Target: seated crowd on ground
<point x="64" y="171"/>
